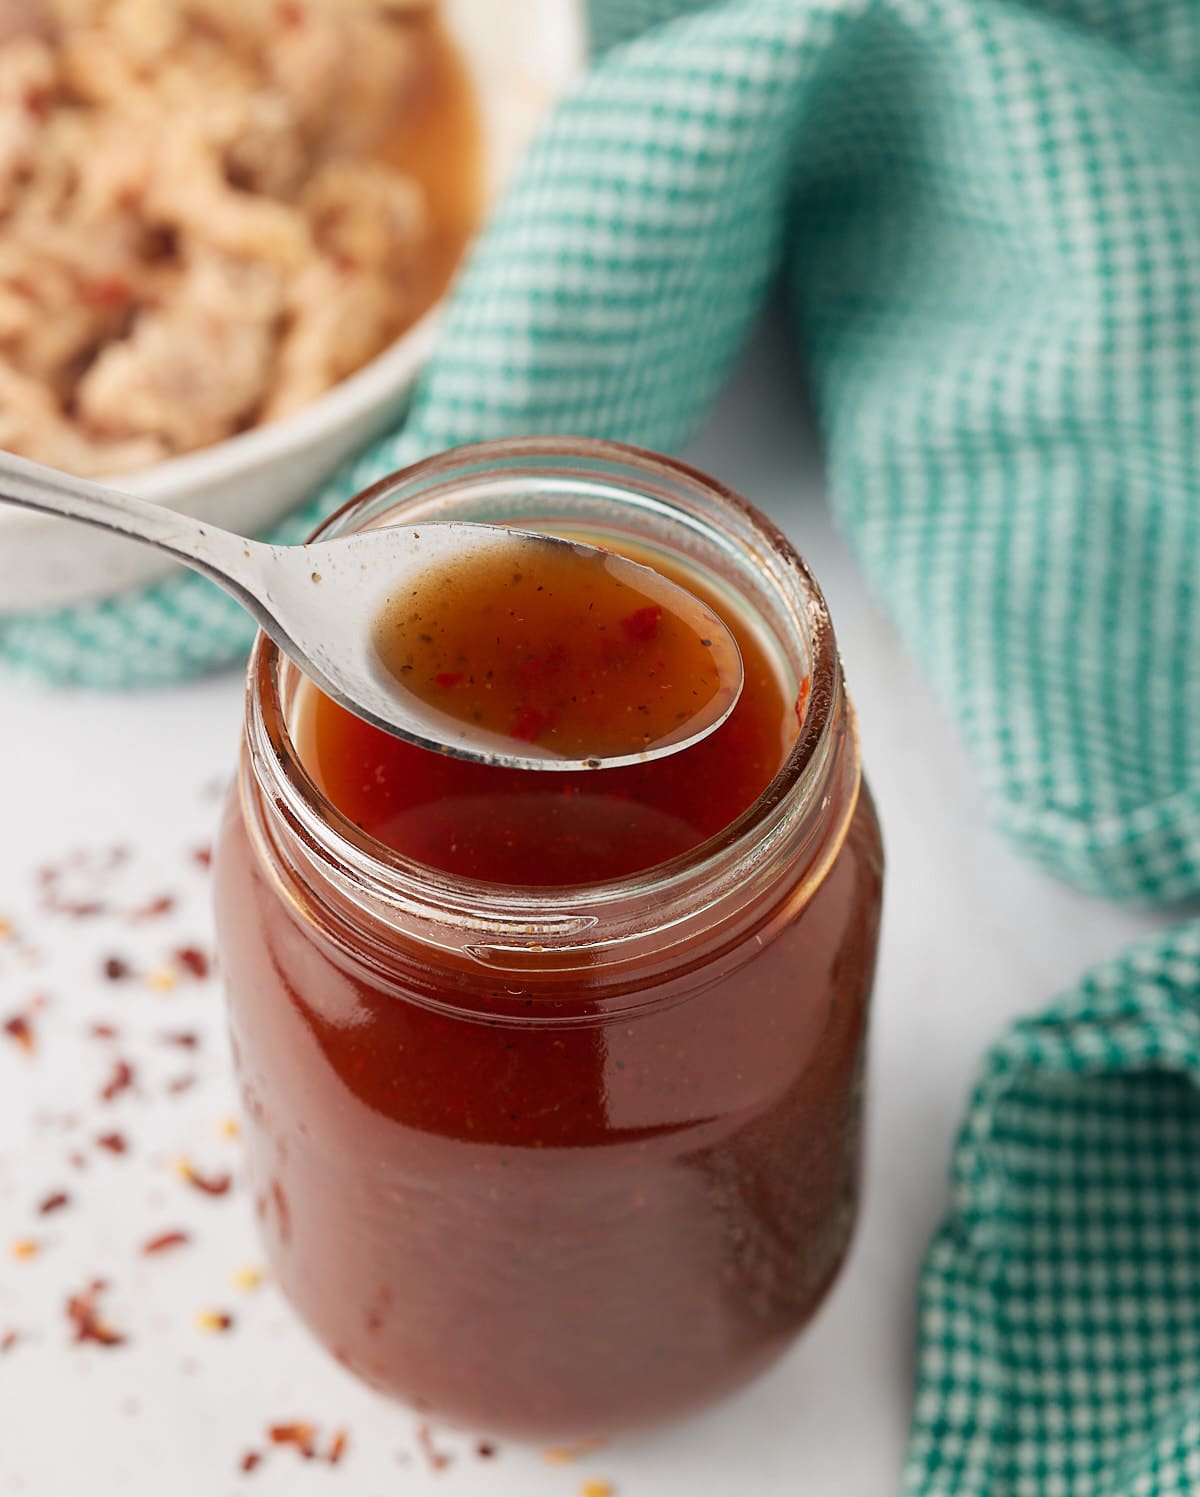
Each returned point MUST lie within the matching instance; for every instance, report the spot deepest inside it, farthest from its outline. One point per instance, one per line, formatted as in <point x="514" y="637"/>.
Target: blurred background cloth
<point x="988" y="218"/>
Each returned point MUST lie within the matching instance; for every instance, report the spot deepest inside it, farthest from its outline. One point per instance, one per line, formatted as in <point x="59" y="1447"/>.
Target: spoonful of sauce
<point x="487" y="643"/>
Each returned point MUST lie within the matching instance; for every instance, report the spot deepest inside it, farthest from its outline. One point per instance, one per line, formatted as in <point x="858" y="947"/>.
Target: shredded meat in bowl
<point x="197" y="232"/>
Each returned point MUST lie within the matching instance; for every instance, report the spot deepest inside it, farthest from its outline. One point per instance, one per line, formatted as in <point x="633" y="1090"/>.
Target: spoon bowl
<point x="324" y="604"/>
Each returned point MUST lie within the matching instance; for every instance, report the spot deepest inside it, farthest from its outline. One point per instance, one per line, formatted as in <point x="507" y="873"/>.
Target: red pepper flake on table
<point x="193" y="961"/>
<point x="438" y="1459"/>
<point x="115" y="1143"/>
<point x="103" y="1031"/>
<point x="8" y="1340"/>
<point x="300" y="1436"/>
<point x="165" y="1242"/>
<point x="185" y="1039"/>
<point x="214" y="1322"/>
<point x="84" y="1315"/>
<point x="153" y="909"/>
<point x="121" y="1080"/>
<point x="54" y="1202"/>
<point x="209" y="1185"/>
<point x="19" y="1029"/>
<point x="116" y="969"/>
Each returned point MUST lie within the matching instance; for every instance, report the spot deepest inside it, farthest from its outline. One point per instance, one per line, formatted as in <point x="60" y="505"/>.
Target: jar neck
<point x="388" y="913"/>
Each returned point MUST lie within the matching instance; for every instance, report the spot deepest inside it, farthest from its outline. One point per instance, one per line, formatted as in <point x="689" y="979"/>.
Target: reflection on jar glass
<point x="554" y="1081"/>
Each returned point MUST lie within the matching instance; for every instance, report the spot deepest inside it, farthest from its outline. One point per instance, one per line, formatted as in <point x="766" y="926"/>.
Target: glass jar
<point x="554" y="1162"/>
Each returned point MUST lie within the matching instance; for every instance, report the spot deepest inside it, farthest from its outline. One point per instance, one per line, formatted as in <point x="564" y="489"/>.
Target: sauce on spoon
<point x="546" y="642"/>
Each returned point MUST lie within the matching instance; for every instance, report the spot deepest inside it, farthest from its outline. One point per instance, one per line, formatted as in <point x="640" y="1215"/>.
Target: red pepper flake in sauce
<point x="121" y="1080"/>
<point x="116" y="969"/>
<point x="300" y="1436"/>
<point x="115" y="1143"/>
<point x="153" y="909"/>
<point x="84" y="1315"/>
<point x="165" y="1242"/>
<point x="54" y="1202"/>
<point x="193" y="961"/>
<point x="438" y="1459"/>
<point x="209" y="1185"/>
<point x="642" y="624"/>
<point x="20" y="1031"/>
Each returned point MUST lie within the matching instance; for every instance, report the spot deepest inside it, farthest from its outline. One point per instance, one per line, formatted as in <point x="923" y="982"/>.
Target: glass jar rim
<point x="333" y="838"/>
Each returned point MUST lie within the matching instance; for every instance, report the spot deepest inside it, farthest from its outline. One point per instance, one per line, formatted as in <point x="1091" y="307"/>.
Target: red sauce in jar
<point x="554" y="1185"/>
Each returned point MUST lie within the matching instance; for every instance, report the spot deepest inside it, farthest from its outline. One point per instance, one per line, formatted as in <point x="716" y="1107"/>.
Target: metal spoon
<point x="320" y="604"/>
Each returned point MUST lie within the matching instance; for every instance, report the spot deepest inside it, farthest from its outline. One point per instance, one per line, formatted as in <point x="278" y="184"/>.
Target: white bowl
<point x="520" y="54"/>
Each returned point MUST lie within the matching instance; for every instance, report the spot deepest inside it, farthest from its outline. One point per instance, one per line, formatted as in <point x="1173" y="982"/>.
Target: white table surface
<point x="972" y="937"/>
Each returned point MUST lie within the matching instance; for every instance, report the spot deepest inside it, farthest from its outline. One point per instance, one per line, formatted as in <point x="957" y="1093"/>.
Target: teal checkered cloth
<point x="988" y="216"/>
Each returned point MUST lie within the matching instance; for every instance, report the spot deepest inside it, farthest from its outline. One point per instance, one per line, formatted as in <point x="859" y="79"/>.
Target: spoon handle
<point x="227" y="559"/>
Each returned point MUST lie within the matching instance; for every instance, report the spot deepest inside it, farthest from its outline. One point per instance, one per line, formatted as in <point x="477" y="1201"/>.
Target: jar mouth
<point x="620" y="470"/>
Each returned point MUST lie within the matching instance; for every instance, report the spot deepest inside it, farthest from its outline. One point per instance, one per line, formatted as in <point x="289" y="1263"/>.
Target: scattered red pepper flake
<point x="164" y="1242"/>
<point x="20" y="1031"/>
<point x="54" y="1202"/>
<point x="115" y="1143"/>
<point x="76" y="1160"/>
<point x="209" y="1185"/>
<point x="337" y="1447"/>
<point x="438" y="1459"/>
<point x="641" y="625"/>
<point x="153" y="909"/>
<point x="75" y="909"/>
<point x="193" y="961"/>
<point x="485" y="1450"/>
<point x="214" y="1321"/>
<point x="250" y="1461"/>
<point x="84" y="1315"/>
<point x="116" y="968"/>
<point x="8" y="1341"/>
<point x="563" y="1455"/>
<point x="202" y="857"/>
<point x="121" y="1080"/>
<point x="185" y="1039"/>
<point x="300" y="1436"/>
<point x="180" y="1084"/>
<point x="101" y="1031"/>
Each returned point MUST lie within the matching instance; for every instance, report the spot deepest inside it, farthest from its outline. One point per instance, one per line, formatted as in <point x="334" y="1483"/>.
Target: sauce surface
<point x="544" y="642"/>
<point x="532" y="828"/>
